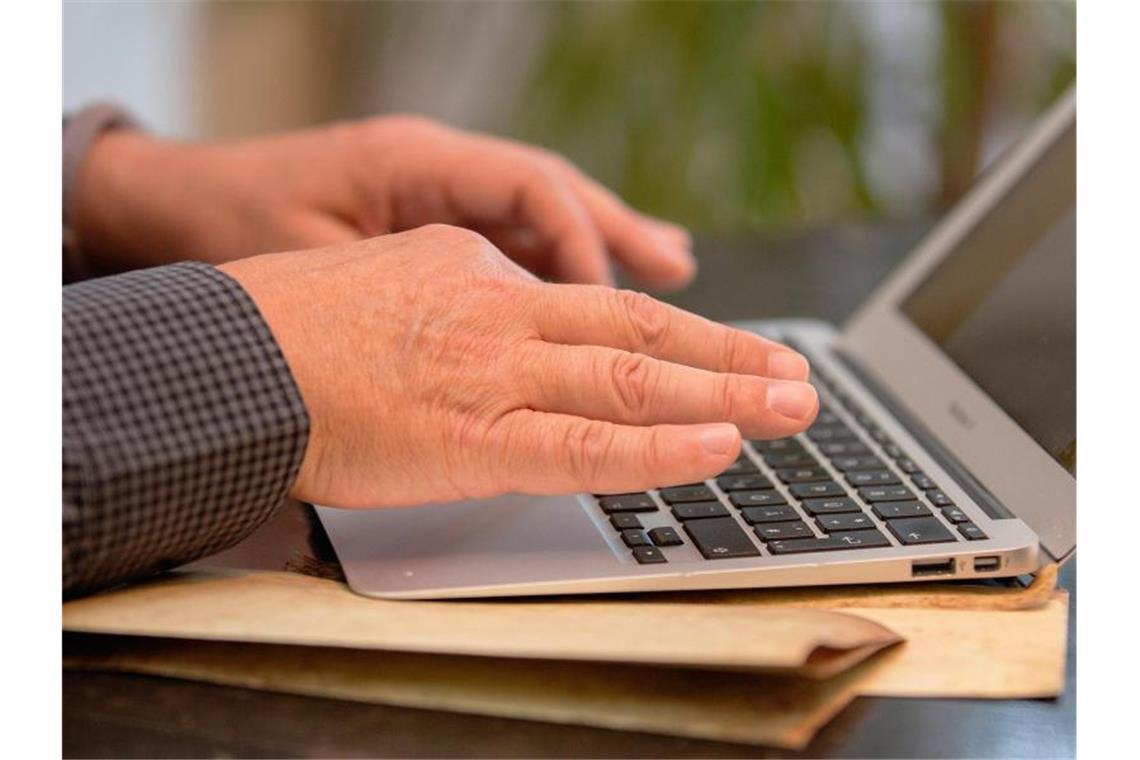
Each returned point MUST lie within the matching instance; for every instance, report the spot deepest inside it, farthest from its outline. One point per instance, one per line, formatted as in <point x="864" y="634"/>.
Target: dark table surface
<point x="820" y="273"/>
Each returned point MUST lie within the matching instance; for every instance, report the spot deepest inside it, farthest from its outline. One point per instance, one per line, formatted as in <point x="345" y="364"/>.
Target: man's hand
<point x="143" y="201"/>
<point x="435" y="369"/>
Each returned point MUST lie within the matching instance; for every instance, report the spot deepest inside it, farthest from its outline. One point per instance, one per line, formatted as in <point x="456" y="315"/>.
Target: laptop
<point x="945" y="446"/>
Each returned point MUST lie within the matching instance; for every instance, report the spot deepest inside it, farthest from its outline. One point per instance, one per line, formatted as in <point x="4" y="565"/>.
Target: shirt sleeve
<point x="183" y="428"/>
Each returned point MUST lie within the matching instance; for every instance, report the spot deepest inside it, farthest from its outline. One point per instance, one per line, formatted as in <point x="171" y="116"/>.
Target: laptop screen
<point x="1002" y="305"/>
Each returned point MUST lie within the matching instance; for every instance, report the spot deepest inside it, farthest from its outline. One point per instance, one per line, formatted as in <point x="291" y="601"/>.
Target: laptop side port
<point x="936" y="567"/>
<point x="986" y="564"/>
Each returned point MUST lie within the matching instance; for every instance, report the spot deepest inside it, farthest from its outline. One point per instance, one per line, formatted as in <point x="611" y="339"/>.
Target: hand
<point x="435" y="369"/>
<point x="143" y="201"/>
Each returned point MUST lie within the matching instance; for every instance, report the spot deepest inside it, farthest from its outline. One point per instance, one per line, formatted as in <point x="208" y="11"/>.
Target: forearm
<point x="182" y="425"/>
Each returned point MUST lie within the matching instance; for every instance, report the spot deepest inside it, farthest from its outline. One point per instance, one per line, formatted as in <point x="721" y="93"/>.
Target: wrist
<point x="116" y="216"/>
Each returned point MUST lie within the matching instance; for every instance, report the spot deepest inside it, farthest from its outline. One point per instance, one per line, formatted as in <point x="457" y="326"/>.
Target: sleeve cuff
<point x="183" y="427"/>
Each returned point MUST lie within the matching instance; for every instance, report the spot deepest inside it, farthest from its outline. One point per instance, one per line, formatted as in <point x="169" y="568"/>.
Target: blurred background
<point x="726" y="116"/>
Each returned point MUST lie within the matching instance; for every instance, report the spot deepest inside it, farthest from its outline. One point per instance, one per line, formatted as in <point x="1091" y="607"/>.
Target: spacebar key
<point x="720" y="538"/>
<point x="855" y="539"/>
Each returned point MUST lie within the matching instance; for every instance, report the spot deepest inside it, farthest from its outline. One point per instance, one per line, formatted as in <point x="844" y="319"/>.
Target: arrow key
<point x="855" y="539"/>
<point x="920" y="530"/>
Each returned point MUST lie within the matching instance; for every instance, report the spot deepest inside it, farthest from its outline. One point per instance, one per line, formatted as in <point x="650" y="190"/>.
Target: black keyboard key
<point x="778" y="446"/>
<point x="908" y="465"/>
<point x="846" y="400"/>
<point x="827" y="417"/>
<point x="843" y="448"/>
<point x="830" y="433"/>
<point x="699" y="510"/>
<point x="634" y="538"/>
<point x="803" y="474"/>
<point x="817" y="490"/>
<point x="864" y="419"/>
<point x="864" y="462"/>
<point x="742" y="466"/>
<point x="892" y="450"/>
<point x="778" y="513"/>
<point x="857" y="539"/>
<point x="648" y="555"/>
<point x="743" y="482"/>
<point x="797" y="459"/>
<point x="955" y="515"/>
<point x="756" y="498"/>
<point x="923" y="481"/>
<point x="872" y="478"/>
<point x="831" y="506"/>
<point x="687" y="493"/>
<point x="782" y="531"/>
<point x="920" y="530"/>
<point x="893" y="510"/>
<point x="886" y="493"/>
<point x="880" y="435"/>
<point x="665" y="537"/>
<point x="939" y="499"/>
<point x="972" y="532"/>
<point x="837" y="523"/>
<point x="627" y="502"/>
<point x="721" y="538"/>
<point x="625" y="521"/>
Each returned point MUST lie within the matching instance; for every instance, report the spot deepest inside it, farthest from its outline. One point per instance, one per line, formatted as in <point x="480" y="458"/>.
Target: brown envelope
<point x="642" y="663"/>
<point x="724" y="706"/>
<point x="285" y="608"/>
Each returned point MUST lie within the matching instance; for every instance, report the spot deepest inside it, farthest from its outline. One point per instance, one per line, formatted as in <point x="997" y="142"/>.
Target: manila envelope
<point x="764" y="667"/>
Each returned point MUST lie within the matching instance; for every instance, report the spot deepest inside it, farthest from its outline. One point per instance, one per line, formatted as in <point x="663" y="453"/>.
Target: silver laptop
<point x="945" y="446"/>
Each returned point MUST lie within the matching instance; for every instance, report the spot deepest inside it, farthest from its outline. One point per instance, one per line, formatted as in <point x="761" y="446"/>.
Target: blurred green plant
<point x="731" y="115"/>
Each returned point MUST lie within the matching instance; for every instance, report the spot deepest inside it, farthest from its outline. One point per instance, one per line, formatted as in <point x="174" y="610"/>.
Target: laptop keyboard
<point x="780" y="498"/>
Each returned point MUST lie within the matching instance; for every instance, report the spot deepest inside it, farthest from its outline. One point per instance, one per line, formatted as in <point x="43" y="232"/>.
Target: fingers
<point x="635" y="389"/>
<point x="315" y="230"/>
<point x="540" y="452"/>
<point x="577" y="216"/>
<point x="655" y="252"/>
<point x="584" y="315"/>
<point x="499" y="184"/>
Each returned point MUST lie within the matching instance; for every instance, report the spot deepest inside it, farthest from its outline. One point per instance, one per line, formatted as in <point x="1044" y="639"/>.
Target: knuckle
<point x="451" y="235"/>
<point x="634" y="379"/>
<point x="654" y="454"/>
<point x="725" y="393"/>
<point x="406" y="122"/>
<point x="542" y="178"/>
<point x="379" y="132"/>
<point x="734" y="348"/>
<point x="556" y="162"/>
<point x="646" y="319"/>
<point x="588" y="445"/>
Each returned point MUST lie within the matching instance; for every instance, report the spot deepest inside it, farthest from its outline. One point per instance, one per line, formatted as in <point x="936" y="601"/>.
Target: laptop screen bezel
<point x="1027" y="480"/>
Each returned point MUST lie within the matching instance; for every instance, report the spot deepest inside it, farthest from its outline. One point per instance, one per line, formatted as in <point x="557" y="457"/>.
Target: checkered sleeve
<point x="182" y="425"/>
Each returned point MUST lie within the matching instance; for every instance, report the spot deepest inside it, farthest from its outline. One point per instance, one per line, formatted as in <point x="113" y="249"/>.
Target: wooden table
<point x="821" y="273"/>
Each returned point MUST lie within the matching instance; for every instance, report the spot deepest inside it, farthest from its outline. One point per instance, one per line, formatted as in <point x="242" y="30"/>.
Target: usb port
<point x="941" y="567"/>
<point x="986" y="564"/>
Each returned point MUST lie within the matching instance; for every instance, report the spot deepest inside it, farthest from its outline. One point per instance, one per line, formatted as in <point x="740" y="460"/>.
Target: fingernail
<point x="719" y="439"/>
<point x="676" y="232"/>
<point x="681" y="257"/>
<point x="671" y="243"/>
<point x="787" y="365"/>
<point x="790" y="399"/>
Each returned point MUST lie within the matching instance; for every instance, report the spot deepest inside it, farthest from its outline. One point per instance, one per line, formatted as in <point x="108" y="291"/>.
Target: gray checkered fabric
<point x="182" y="425"/>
